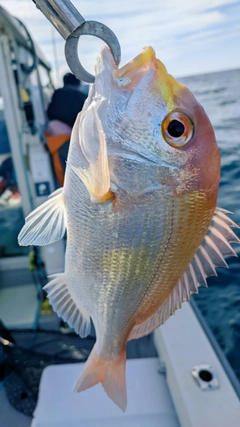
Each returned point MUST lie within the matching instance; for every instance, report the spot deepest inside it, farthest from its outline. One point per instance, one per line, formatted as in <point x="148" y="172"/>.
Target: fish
<point x="139" y="208"/>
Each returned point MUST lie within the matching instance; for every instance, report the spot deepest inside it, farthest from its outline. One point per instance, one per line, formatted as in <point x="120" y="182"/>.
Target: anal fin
<point x="65" y="306"/>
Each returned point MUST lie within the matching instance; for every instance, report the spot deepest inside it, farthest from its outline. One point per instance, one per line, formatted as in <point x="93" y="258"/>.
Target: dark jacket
<point x="65" y="105"/>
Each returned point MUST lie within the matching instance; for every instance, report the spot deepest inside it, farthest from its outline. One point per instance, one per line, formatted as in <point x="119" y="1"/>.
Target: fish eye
<point x="177" y="129"/>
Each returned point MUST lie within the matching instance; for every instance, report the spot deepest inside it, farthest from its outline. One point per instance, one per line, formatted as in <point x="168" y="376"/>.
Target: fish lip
<point x="136" y="68"/>
<point x="139" y="61"/>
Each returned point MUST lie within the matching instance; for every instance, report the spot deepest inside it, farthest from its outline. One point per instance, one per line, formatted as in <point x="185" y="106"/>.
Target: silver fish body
<point x="139" y="207"/>
<point x="119" y="262"/>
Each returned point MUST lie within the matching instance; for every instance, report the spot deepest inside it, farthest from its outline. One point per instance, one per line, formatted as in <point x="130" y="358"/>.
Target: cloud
<point x="178" y="31"/>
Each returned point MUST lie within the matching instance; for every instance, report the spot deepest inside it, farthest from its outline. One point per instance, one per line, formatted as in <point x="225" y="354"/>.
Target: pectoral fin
<point x="46" y="224"/>
<point x="96" y="177"/>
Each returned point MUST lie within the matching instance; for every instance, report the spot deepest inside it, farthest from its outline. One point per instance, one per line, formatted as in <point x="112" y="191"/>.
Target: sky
<point x="190" y="37"/>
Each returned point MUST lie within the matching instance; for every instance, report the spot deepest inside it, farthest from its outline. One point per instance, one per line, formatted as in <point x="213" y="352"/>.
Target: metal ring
<point x="92" y="28"/>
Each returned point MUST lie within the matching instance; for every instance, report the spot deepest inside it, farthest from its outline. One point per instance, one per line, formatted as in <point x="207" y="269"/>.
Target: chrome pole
<point x="62" y="15"/>
<point x="71" y="25"/>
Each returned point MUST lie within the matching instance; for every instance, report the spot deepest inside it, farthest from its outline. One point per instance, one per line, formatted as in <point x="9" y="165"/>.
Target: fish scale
<point x="175" y="248"/>
<point x="107" y="286"/>
<point x="110" y="285"/>
<point x="98" y="247"/>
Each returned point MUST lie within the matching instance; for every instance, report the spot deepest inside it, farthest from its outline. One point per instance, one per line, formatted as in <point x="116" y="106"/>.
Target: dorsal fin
<point x="46" y="224"/>
<point x="210" y="254"/>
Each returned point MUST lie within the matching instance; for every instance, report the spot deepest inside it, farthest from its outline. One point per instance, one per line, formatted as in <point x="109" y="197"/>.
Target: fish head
<point x="146" y="112"/>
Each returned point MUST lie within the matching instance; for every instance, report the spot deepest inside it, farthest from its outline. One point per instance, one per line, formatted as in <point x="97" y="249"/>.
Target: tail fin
<point x="111" y="373"/>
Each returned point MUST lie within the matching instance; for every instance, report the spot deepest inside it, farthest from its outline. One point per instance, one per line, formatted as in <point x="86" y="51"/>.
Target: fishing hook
<point x="71" y="25"/>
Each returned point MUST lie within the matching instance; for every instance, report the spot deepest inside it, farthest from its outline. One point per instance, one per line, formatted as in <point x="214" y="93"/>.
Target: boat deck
<point x="10" y="417"/>
<point x="180" y="343"/>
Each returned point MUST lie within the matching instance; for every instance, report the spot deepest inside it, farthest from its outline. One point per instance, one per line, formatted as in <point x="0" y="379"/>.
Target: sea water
<point x="219" y="94"/>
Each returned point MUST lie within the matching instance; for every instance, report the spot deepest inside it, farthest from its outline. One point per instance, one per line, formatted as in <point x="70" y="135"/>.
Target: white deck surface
<point x="19" y="306"/>
<point x="182" y="344"/>
<point x="149" y="401"/>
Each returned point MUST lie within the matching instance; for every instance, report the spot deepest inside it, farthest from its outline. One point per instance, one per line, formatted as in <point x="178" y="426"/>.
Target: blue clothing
<point x="4" y="141"/>
<point x="66" y="103"/>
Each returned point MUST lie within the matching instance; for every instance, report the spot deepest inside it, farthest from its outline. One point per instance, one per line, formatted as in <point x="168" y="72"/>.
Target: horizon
<point x="208" y="72"/>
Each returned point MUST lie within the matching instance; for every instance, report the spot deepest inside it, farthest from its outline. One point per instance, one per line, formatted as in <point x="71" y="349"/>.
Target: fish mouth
<point x="142" y="60"/>
<point x="131" y="73"/>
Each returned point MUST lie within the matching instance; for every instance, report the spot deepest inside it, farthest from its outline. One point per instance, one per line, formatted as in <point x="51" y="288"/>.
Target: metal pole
<point x="71" y="25"/>
<point x="62" y="15"/>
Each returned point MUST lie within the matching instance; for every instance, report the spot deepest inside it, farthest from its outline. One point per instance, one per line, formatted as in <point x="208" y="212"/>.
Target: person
<point x="62" y="112"/>
<point x="67" y="101"/>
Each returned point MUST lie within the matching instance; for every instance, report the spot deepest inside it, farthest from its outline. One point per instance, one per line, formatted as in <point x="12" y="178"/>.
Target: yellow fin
<point x="97" y="177"/>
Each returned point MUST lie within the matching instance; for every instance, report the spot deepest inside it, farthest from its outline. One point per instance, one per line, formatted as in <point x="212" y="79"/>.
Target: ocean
<point x="219" y="94"/>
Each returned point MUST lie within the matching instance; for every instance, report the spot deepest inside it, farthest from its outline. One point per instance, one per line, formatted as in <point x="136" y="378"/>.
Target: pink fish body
<point x="139" y="207"/>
